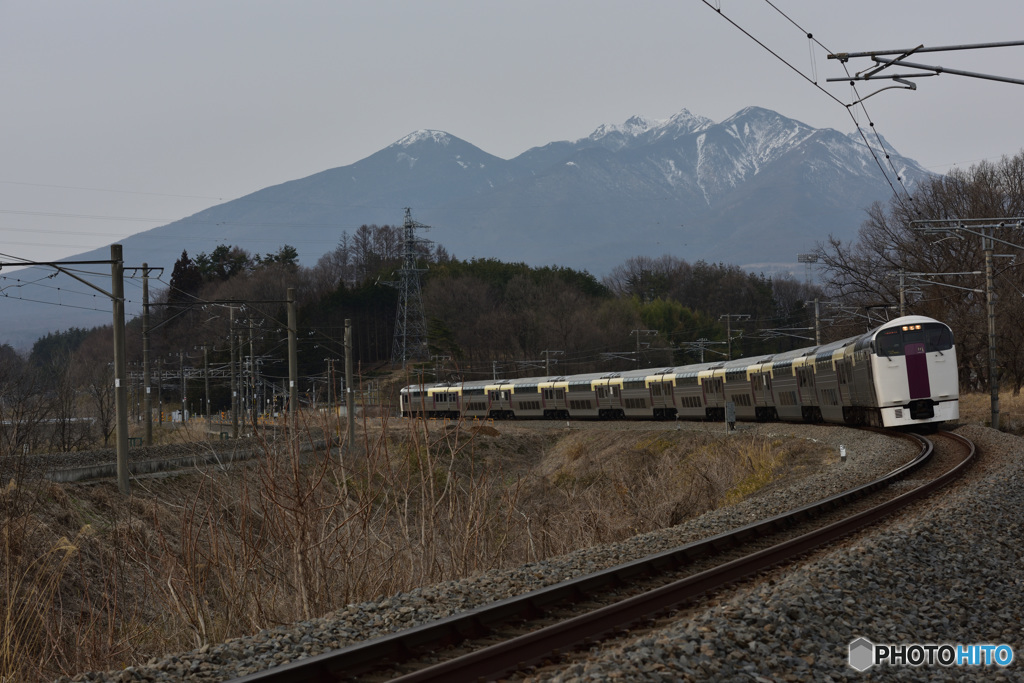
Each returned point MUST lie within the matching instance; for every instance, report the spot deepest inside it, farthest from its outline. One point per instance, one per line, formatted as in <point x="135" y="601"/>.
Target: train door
<point x="615" y="398"/>
<point x="602" y="397"/>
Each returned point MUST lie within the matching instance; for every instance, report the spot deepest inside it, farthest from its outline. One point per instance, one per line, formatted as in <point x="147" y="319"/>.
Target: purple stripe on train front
<point x="917" y="371"/>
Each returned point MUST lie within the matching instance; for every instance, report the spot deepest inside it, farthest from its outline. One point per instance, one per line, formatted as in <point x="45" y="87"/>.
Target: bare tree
<point x="93" y="375"/>
<point x="25" y="407"/>
<point x="866" y="272"/>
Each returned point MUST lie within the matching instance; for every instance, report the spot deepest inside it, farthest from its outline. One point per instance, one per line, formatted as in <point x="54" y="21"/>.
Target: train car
<point x="739" y="389"/>
<point x="712" y="388"/>
<point x="828" y="393"/>
<point x="499" y="399"/>
<point x="637" y="402"/>
<point x="526" y="397"/>
<point x="786" y="397"/>
<point x="552" y="398"/>
<point x="907" y="374"/>
<point x="446" y="401"/>
<point x="761" y="389"/>
<point x="689" y="398"/>
<point x="902" y="373"/>
<point x="475" y="403"/>
<point x="582" y="396"/>
<point x="662" y="386"/>
<point x="608" y="395"/>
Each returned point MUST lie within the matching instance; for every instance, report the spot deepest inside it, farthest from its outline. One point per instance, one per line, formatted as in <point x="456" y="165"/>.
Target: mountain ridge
<point x="753" y="190"/>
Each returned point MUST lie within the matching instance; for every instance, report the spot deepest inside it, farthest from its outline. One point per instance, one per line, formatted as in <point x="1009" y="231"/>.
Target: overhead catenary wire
<point x="847" y="107"/>
<point x="859" y="101"/>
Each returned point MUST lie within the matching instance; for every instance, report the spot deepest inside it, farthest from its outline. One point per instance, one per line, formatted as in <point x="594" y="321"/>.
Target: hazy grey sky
<point x="122" y="115"/>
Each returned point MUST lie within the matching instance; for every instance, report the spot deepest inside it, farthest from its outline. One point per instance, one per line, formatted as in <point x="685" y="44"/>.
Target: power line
<point x="847" y="107"/>
<point x="860" y="100"/>
<point x="105" y="189"/>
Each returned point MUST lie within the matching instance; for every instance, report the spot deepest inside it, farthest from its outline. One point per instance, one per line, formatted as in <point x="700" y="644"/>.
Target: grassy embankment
<point x="95" y="581"/>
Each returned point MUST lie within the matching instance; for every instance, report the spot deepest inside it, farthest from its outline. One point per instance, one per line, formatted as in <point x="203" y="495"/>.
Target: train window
<point x="736" y="375"/>
<point x="934" y="336"/>
<point x="937" y="337"/>
<point x="890" y="343"/>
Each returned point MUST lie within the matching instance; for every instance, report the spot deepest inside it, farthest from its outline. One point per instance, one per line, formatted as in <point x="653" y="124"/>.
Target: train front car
<point x="912" y="364"/>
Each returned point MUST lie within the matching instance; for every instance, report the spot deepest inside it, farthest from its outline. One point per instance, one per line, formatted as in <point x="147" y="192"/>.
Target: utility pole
<point x="120" y="368"/>
<point x="160" y="391"/>
<point x="903" y="294"/>
<point x="438" y="364"/>
<point x="184" y="386"/>
<point x="702" y="344"/>
<point x="251" y="384"/>
<point x="547" y="359"/>
<point x="924" y="278"/>
<point x="147" y="380"/>
<point x="639" y="333"/>
<point x="293" y="361"/>
<point x="234" y="372"/>
<point x="206" y="378"/>
<point x="983" y="228"/>
<point x="728" y="318"/>
<point x="350" y="403"/>
<point x="990" y="298"/>
<point x="817" y="322"/>
<point x="116" y="296"/>
<point x="330" y="383"/>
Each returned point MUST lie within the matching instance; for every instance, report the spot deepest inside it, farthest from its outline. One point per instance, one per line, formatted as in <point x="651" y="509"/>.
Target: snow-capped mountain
<point x="753" y="190"/>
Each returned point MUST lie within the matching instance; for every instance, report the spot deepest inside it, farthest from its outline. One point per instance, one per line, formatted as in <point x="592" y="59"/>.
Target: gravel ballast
<point x="949" y="571"/>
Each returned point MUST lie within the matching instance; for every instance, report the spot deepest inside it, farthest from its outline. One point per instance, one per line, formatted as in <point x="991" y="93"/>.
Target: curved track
<point x="513" y="634"/>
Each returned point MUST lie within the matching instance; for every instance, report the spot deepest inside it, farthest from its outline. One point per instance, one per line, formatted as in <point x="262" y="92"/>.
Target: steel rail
<point x="357" y="659"/>
<point x="533" y="647"/>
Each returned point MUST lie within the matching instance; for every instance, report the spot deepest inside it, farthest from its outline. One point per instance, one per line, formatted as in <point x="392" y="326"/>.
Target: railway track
<point x="517" y="634"/>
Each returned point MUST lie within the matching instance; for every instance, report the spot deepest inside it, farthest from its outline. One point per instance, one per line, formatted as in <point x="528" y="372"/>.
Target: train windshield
<point x="934" y="336"/>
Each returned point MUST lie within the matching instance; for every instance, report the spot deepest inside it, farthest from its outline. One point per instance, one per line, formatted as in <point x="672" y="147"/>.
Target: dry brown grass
<point x="601" y="486"/>
<point x="202" y="556"/>
<point x="976" y="408"/>
<point x="69" y="602"/>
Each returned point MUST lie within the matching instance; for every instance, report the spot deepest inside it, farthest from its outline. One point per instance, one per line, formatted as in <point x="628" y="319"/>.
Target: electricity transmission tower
<point x="410" y="323"/>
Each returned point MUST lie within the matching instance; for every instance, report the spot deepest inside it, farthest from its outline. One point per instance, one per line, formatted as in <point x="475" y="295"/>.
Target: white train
<point x="902" y="373"/>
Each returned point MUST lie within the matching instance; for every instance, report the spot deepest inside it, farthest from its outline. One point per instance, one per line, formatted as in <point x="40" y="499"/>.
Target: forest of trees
<point x="489" y="318"/>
